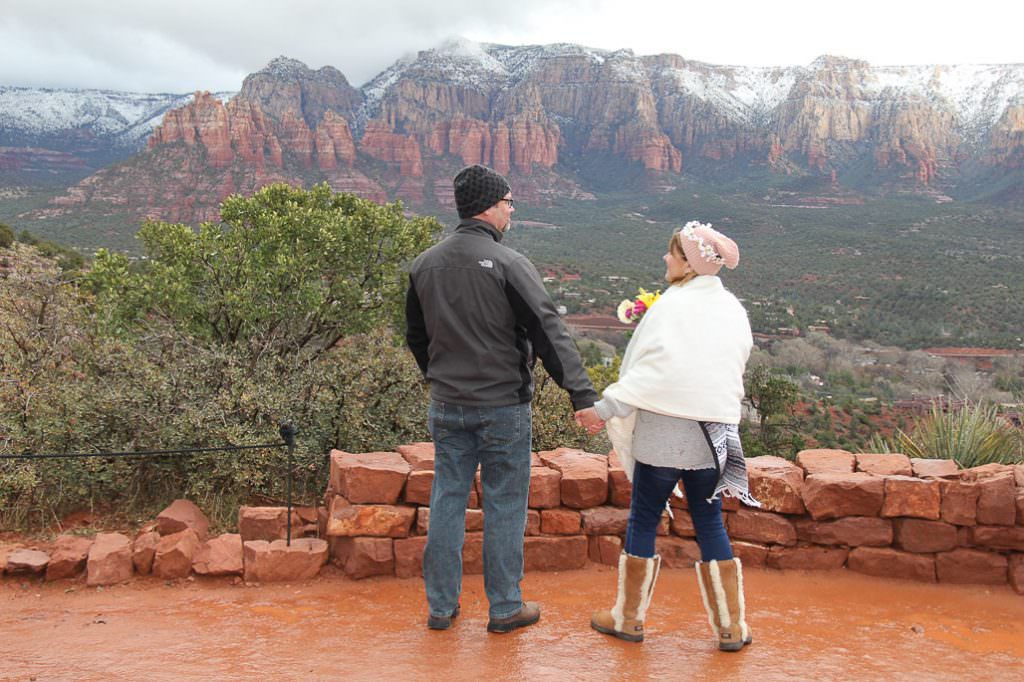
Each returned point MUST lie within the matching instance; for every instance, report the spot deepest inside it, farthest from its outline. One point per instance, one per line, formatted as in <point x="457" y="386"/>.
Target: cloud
<point x="190" y="44"/>
<point x="185" y="45"/>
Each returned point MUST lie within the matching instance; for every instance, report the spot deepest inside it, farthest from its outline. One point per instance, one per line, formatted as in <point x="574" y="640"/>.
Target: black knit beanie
<point x="477" y="188"/>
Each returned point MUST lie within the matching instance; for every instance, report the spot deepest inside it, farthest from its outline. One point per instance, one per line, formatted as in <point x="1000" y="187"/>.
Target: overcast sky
<point x="186" y="45"/>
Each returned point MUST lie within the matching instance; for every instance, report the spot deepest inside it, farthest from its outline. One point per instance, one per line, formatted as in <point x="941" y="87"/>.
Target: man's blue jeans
<point x="651" y="489"/>
<point x="498" y="440"/>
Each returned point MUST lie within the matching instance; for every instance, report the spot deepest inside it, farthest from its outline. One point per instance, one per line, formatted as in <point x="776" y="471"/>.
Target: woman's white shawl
<point x="686" y="359"/>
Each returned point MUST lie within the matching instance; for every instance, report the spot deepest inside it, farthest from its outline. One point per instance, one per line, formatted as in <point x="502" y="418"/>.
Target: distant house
<point x="980" y="358"/>
<point x="924" y="404"/>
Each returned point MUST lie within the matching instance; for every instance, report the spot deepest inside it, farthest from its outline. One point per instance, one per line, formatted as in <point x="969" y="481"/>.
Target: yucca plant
<point x="880" y="445"/>
<point x="971" y="436"/>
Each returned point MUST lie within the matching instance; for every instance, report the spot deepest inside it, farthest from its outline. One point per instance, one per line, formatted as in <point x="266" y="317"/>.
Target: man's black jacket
<point x="476" y="312"/>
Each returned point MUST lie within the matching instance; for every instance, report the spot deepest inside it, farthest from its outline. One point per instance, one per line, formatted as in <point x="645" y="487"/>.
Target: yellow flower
<point x="649" y="298"/>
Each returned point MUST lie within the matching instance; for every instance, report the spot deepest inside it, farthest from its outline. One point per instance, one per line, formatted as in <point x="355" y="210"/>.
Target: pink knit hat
<point x="707" y="249"/>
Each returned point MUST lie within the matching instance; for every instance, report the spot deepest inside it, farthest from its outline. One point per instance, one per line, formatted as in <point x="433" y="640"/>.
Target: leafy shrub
<point x="288" y="270"/>
<point x="6" y="236"/>
<point x="973" y="435"/>
<point x="773" y="396"/>
<point x="66" y="257"/>
<point x="169" y="392"/>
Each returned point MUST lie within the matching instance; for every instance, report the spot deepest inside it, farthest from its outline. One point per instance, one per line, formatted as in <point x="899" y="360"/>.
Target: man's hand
<point x="587" y="418"/>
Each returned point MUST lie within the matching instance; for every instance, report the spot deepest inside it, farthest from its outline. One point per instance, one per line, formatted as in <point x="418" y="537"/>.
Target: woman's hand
<point x="587" y="418"/>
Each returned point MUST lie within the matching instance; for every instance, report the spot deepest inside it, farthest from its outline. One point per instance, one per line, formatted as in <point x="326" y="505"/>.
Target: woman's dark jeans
<point x="651" y="489"/>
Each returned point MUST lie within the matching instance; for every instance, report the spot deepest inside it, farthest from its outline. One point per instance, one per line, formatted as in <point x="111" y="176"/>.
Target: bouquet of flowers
<point x="631" y="311"/>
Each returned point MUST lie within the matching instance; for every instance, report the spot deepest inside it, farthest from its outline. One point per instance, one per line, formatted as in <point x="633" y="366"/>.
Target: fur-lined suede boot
<point x="721" y="588"/>
<point x="636" y="587"/>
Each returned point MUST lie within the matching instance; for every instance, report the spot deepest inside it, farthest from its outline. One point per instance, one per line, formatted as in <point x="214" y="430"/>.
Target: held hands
<point x="587" y="418"/>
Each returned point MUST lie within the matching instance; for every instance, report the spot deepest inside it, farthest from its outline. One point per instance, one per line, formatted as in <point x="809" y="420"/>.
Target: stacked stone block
<point x="379" y="511"/>
<point x="880" y="514"/>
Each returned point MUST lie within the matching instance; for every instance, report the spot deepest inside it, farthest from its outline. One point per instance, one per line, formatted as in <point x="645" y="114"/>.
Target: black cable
<point x="145" y="453"/>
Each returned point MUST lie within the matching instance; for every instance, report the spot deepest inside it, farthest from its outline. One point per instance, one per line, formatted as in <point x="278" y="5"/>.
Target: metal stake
<point x="288" y="432"/>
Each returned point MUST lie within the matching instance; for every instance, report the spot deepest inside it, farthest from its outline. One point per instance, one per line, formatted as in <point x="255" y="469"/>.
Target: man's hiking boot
<point x="527" y="615"/>
<point x="442" y="622"/>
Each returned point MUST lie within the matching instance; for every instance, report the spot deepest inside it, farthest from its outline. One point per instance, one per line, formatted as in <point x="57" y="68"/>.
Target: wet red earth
<point x="806" y="626"/>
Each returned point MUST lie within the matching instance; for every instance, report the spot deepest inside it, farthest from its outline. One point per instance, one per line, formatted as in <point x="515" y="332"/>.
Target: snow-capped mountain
<point x="564" y="120"/>
<point x="100" y="124"/>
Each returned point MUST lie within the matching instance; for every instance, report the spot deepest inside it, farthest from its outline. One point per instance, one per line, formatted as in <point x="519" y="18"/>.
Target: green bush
<point x="773" y="396"/>
<point x="99" y="395"/>
<point x="66" y="257"/>
<point x="287" y="271"/>
<point x="6" y="236"/>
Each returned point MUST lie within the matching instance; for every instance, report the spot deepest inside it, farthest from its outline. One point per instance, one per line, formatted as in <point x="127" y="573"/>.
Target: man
<point x="476" y="312"/>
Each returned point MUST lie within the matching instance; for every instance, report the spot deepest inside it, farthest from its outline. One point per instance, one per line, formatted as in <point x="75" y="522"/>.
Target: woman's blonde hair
<point x="676" y="249"/>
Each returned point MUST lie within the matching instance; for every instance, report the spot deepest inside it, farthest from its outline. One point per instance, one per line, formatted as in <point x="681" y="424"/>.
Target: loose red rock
<point x="885" y="464"/>
<point x="221" y="555"/>
<point x="369" y="477"/>
<point x="776" y="483"/>
<point x="174" y="554"/>
<point x="825" y="461"/>
<point x="277" y="562"/>
<point x="70" y="552"/>
<point x="110" y="560"/>
<point x="182" y="514"/>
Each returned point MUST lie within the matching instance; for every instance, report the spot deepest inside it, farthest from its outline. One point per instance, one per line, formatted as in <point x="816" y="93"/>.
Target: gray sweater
<point x="662" y="441"/>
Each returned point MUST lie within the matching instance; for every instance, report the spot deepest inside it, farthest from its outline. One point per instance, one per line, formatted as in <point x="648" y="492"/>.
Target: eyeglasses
<point x="511" y="202"/>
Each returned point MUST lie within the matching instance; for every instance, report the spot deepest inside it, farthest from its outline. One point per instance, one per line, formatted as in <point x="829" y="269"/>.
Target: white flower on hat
<point x="707" y="251"/>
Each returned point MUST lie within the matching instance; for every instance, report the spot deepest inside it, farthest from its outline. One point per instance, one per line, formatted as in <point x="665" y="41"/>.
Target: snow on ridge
<point x="125" y="117"/>
<point x="977" y="93"/>
<point x="470" y="51"/>
<point x="373" y="92"/>
<point x="745" y="94"/>
<point x="464" y="62"/>
<point x="286" y="67"/>
<point x="521" y="60"/>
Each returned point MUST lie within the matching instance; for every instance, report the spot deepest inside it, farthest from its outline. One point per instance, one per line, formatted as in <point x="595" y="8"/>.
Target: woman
<point x="673" y="415"/>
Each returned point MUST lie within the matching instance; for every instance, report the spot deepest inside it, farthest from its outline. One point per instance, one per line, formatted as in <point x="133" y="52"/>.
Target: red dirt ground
<point x="814" y="625"/>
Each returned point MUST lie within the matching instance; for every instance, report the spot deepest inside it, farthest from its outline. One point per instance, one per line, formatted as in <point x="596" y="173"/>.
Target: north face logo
<point x="486" y="263"/>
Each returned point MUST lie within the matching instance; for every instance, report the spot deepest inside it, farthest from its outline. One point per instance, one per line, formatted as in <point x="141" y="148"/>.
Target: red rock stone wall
<point x="880" y="514"/>
<point x="830" y="509"/>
